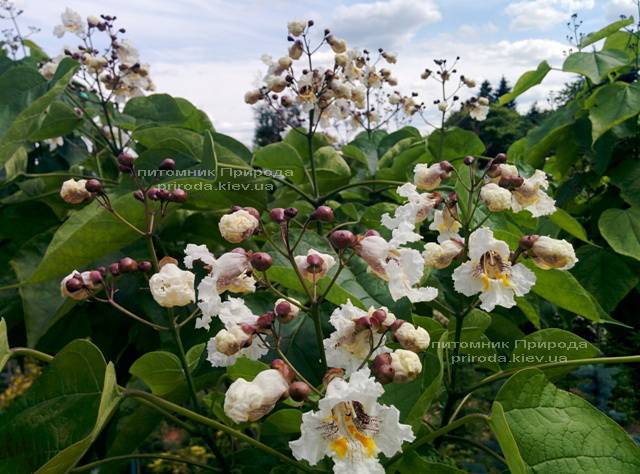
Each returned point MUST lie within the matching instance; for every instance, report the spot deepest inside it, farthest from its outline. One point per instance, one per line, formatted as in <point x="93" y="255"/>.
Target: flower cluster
<point x="353" y="89"/>
<point x="117" y="68"/>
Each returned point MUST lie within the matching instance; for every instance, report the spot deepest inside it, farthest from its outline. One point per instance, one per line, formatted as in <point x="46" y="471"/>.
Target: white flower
<point x="429" y="177"/>
<point x="531" y="196"/>
<point x="74" y="192"/>
<point x="93" y="20"/>
<point x="406" y="217"/>
<point x="403" y="273"/>
<point x="406" y="365"/>
<point x="71" y="22"/>
<point x="402" y="268"/>
<point x="478" y="110"/>
<point x="252" y="96"/>
<point x="441" y="255"/>
<point x="391" y="58"/>
<point x="490" y="273"/>
<point x="314" y="265"/>
<point x="234" y="314"/>
<point x="230" y="341"/>
<point x="54" y="143"/>
<point x="348" y="346"/>
<point x="351" y="427"/>
<point x="49" y="68"/>
<point x="127" y="53"/>
<point x="250" y="401"/>
<point x="446" y="223"/>
<point x="296" y="27"/>
<point x="88" y="286"/>
<point x="412" y="338"/>
<point x="172" y="287"/>
<point x="495" y="197"/>
<point x="550" y="253"/>
<point x="338" y="45"/>
<point x="237" y="226"/>
<point x="195" y="253"/>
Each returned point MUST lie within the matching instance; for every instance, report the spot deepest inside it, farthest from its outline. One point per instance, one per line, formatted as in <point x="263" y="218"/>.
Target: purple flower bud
<point x="468" y="160"/>
<point x="74" y="284"/>
<point x="167" y="165"/>
<point x="500" y="159"/>
<point x="315" y="263"/>
<point x="290" y="212"/>
<point x="152" y="194"/>
<point x="277" y="215"/>
<point x="378" y="316"/>
<point x="93" y="186"/>
<point x="265" y="321"/>
<point x="527" y="241"/>
<point x="261" y="261"/>
<point x="372" y="233"/>
<point x="114" y="269"/>
<point x="323" y="214"/>
<point x="178" y="195"/>
<point x="283" y="308"/>
<point x="163" y="194"/>
<point x="126" y="160"/>
<point x="342" y="239"/>
<point x="145" y="266"/>
<point x="127" y="264"/>
<point x="299" y="391"/>
<point x="139" y="195"/>
<point x="95" y="276"/>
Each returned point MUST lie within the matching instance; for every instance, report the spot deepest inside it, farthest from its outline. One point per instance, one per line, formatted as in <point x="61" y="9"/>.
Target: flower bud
<point x="172" y="286"/>
<point x="406" y="365"/>
<point x="527" y="241"/>
<point x="74" y="284"/>
<point x="261" y="261"/>
<point x="231" y="341"/>
<point x="238" y="226"/>
<point x="372" y="233"/>
<point x="250" y="401"/>
<point x="290" y="212"/>
<point x="548" y="253"/>
<point x="277" y="215"/>
<point x="296" y="27"/>
<point x="75" y="192"/>
<point x="378" y="317"/>
<point x="441" y="255"/>
<point x="412" y="337"/>
<point x="500" y="158"/>
<point x="323" y="214"/>
<point x="152" y="194"/>
<point x="286" y="310"/>
<point x="145" y="266"/>
<point x="299" y="391"/>
<point x="284" y="369"/>
<point x="495" y="197"/>
<point x="127" y="265"/>
<point x="253" y="96"/>
<point x="342" y="239"/>
<point x="468" y="160"/>
<point x="382" y="369"/>
<point x="138" y="195"/>
<point x="114" y="269"/>
<point x="296" y="50"/>
<point x="265" y="321"/>
<point x="178" y="195"/>
<point x="125" y="160"/>
<point x="93" y="186"/>
<point x="79" y="286"/>
<point x="511" y="182"/>
<point x="164" y="194"/>
<point x="95" y="276"/>
<point x="314" y="263"/>
<point x="167" y="165"/>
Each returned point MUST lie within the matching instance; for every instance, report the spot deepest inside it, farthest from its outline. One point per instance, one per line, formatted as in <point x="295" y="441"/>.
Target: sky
<point x="208" y="51"/>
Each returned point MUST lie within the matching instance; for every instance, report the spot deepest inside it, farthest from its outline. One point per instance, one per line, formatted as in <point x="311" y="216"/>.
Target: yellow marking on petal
<point x="368" y="443"/>
<point x="340" y="446"/>
<point x="486" y="281"/>
<point x="505" y="280"/>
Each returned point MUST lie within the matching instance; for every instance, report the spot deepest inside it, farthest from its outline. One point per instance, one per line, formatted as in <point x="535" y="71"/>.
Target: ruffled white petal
<point x="465" y="281"/>
<point x="522" y="279"/>
<point x="482" y="241"/>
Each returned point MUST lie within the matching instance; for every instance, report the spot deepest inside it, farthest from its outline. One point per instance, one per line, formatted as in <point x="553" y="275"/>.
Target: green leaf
<point x="611" y="105"/>
<point x="562" y="289"/>
<point x="526" y="82"/>
<point x="543" y="137"/>
<point x="281" y="157"/>
<point x="282" y="422"/>
<point x="604" y="274"/>
<point x="42" y="303"/>
<point x="194" y="355"/>
<point x="569" y="224"/>
<point x="530" y="312"/>
<point x="595" y="65"/>
<point x="431" y="384"/>
<point x="159" y="370"/>
<point x="5" y="352"/>
<point x="59" y="120"/>
<point x="54" y="423"/>
<point x="177" y="140"/>
<point x="622" y="40"/>
<point x="456" y="143"/>
<point x="626" y="176"/>
<point x="299" y="141"/>
<point x="331" y="169"/>
<point x="605" y="32"/>
<point x="87" y="235"/>
<point x="246" y="369"/>
<point x="551" y="345"/>
<point x="161" y="109"/>
<point x="621" y="229"/>
<point x="544" y="429"/>
<point x="28" y="120"/>
<point x="412" y="463"/>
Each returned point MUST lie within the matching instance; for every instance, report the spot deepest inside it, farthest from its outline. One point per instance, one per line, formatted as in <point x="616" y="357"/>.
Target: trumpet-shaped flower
<point x="351" y="427"/>
<point x="532" y="197"/>
<point x="250" y="401"/>
<point x="446" y="223"/>
<point x="416" y="210"/>
<point x="490" y="273"/>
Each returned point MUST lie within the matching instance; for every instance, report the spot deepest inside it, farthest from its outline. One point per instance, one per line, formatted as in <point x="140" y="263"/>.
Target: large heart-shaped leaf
<point x="621" y="229"/>
<point x="161" y="371"/>
<point x="50" y="428"/>
<point x="611" y="105"/>
<point x="526" y="82"/>
<point x="543" y="429"/>
<point x="595" y="65"/>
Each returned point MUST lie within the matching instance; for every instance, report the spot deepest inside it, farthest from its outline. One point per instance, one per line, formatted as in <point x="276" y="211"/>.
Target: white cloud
<point x="476" y="30"/>
<point x="384" y="24"/>
<point x="543" y="14"/>
<point x="615" y="8"/>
